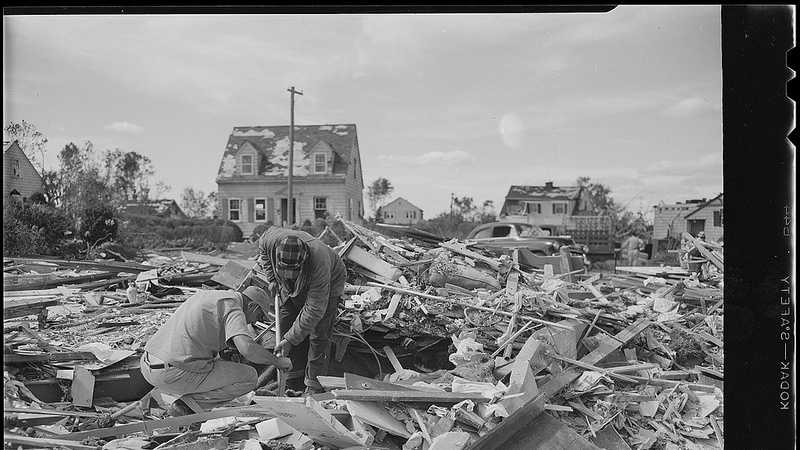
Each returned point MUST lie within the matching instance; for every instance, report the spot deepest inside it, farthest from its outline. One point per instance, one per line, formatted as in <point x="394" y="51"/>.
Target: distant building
<point x="20" y="177"/>
<point x="161" y="208"/>
<point x="400" y="212"/>
<point x="707" y="217"/>
<point x="327" y="178"/>
<point x="692" y="216"/>
<point x="546" y="206"/>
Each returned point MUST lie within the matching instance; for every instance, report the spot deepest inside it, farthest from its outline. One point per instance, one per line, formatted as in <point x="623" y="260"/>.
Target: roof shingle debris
<point x="627" y="359"/>
<point x="271" y="144"/>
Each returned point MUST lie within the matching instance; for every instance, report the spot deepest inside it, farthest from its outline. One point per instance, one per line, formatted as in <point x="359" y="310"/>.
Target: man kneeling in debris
<point x="310" y="277"/>
<point x="182" y="358"/>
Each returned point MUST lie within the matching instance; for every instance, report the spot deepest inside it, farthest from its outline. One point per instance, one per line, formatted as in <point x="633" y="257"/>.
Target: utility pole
<point x="452" y="196"/>
<point x="289" y="201"/>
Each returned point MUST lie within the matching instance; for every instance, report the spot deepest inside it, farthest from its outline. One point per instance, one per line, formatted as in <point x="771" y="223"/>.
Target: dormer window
<point x="247" y="165"/>
<point x="320" y="163"/>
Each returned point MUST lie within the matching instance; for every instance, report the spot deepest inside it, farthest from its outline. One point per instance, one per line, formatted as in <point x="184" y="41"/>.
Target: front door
<point x="285" y="210"/>
<point x="695" y="226"/>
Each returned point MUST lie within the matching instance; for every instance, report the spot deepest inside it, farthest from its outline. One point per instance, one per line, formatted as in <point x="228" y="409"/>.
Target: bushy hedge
<point x="33" y="229"/>
<point x="145" y="231"/>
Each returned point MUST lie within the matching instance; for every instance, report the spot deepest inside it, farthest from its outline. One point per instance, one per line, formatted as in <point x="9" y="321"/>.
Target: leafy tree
<point x="129" y="173"/>
<point x="32" y="142"/>
<point x="79" y="182"/>
<point x="378" y="192"/>
<point x="213" y="205"/>
<point x="599" y="200"/>
<point x="195" y="203"/>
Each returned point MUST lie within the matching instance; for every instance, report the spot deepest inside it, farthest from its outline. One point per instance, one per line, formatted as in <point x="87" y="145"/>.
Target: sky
<point x="466" y="104"/>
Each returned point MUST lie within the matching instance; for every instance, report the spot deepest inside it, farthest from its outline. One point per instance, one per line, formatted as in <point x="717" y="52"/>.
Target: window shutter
<point x="251" y="209"/>
<point x="224" y="208"/>
<point x="271" y="210"/>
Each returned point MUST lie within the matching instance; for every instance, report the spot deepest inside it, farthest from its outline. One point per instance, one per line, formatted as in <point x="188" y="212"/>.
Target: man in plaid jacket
<point x="310" y="278"/>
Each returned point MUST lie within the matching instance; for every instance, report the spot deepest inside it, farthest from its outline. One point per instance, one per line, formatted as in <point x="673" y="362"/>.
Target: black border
<point x="757" y="117"/>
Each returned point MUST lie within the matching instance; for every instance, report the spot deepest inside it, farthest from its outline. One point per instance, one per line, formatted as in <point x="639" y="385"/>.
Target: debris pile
<point x="458" y="347"/>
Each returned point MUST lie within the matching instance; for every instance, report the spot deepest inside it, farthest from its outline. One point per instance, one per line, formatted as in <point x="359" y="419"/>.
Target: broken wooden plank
<point x="544" y="432"/>
<point x="310" y="417"/>
<point x="407" y="396"/>
<point x="461" y="249"/>
<point x="376" y="415"/>
<point x="466" y="305"/>
<point x="16" y="358"/>
<point x="94" y="265"/>
<point x="150" y="425"/>
<point x="26" y="306"/>
<point x="521" y="419"/>
<point x="45" y="442"/>
<point x="372" y="263"/>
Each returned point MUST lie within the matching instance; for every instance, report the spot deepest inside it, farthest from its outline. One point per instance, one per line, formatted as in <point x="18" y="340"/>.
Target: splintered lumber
<point x="520" y="420"/>
<point x="407" y="396"/>
<point x="376" y="415"/>
<point x="15" y="358"/>
<point x="372" y="263"/>
<point x="94" y="265"/>
<point x="355" y="382"/>
<point x="461" y="249"/>
<point x="26" y="306"/>
<point x="58" y="281"/>
<point x="707" y="254"/>
<point x="44" y="442"/>
<point x="465" y="305"/>
<point x="150" y="425"/>
<point x="310" y="417"/>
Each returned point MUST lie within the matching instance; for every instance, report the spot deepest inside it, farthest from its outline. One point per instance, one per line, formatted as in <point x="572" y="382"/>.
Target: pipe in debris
<point x="455" y="302"/>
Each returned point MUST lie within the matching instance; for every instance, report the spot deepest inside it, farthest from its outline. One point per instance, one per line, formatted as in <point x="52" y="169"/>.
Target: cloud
<point x="689" y="107"/>
<point x="124" y="127"/>
<point x="454" y="157"/>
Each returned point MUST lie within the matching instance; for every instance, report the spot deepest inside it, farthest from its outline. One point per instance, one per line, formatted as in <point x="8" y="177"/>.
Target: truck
<point x="596" y="233"/>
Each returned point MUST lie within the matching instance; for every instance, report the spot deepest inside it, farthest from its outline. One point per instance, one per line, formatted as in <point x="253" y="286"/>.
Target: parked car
<point x="511" y="235"/>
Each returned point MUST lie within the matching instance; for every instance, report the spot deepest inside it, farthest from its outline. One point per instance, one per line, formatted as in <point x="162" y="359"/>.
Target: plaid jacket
<point x="322" y="279"/>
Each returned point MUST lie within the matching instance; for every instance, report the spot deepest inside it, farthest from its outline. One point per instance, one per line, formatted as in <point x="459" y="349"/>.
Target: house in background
<point x="692" y="216"/>
<point x="400" y="212"/>
<point x="20" y="177"/>
<point x="546" y="206"/>
<point x="707" y="217"/>
<point x="162" y="208"/>
<point x="327" y="178"/>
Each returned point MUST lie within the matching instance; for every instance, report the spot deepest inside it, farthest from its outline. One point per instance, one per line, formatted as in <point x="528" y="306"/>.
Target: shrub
<point x="99" y="224"/>
<point x="259" y="230"/>
<point x="146" y="231"/>
<point x="30" y="229"/>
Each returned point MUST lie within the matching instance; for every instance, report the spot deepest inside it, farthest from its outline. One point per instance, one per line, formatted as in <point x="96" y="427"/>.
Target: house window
<point x="320" y="207"/>
<point x="247" y="164"/>
<point x="234" y="209"/>
<point x="534" y="208"/>
<point x="17" y="171"/>
<point x="718" y="218"/>
<point x="261" y="209"/>
<point x="559" y="208"/>
<point x="320" y="162"/>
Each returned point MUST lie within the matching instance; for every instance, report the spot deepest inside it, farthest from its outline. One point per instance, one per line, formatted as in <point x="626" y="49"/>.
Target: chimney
<point x="548" y="185"/>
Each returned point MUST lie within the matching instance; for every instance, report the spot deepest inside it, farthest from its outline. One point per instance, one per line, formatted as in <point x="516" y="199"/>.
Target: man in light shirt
<point x="182" y="358"/>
